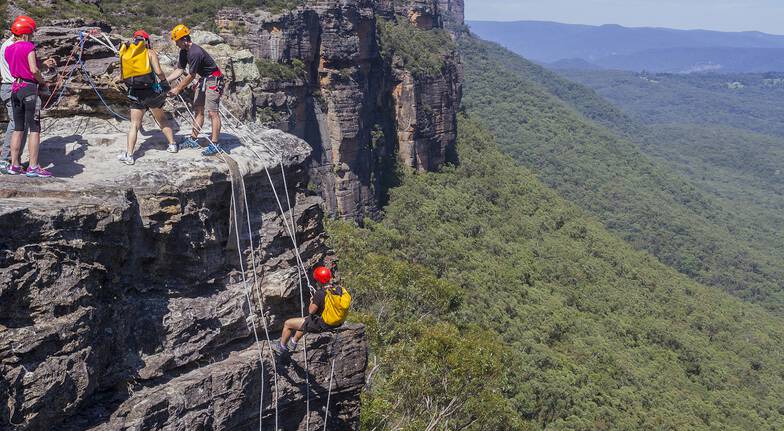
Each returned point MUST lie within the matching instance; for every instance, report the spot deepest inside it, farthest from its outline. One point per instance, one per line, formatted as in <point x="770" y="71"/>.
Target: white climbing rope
<point x="240" y="130"/>
<point x="242" y="269"/>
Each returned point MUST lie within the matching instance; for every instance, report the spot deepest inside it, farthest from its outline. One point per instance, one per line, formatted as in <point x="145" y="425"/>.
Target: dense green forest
<point x="744" y="101"/>
<point x="545" y="123"/>
<point x="723" y="132"/>
<point x="494" y="304"/>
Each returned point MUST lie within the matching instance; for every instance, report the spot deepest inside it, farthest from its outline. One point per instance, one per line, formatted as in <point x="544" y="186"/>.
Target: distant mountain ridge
<point x="647" y="48"/>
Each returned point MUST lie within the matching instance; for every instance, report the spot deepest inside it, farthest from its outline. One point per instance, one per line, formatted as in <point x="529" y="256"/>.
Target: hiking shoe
<point x="291" y="346"/>
<point x="277" y="348"/>
<point x="15" y="170"/>
<point x="189" y="142"/>
<point x="4" y="164"/>
<point x="172" y="148"/>
<point x="125" y="158"/>
<point x="211" y="150"/>
<point x="38" y="172"/>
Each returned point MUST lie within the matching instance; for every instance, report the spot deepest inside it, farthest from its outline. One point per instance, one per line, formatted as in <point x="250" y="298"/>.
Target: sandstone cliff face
<point x="355" y="108"/>
<point x="122" y="301"/>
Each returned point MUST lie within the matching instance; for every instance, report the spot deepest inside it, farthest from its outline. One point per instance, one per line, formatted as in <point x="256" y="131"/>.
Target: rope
<point x="329" y="387"/>
<point x="259" y="299"/>
<point x="89" y="79"/>
<point x="291" y="231"/>
<point x="256" y="290"/>
<point x="63" y="79"/>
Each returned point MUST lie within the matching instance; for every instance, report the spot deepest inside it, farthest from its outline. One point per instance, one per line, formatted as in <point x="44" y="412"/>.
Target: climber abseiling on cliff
<point x="195" y="62"/>
<point x="327" y="311"/>
<point x="147" y="87"/>
<point x="24" y="68"/>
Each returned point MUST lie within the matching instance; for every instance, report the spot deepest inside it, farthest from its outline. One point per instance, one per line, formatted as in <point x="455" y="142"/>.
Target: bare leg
<point x="199" y="123"/>
<point x="163" y="122"/>
<point x="16" y="147"/>
<point x="34" y="141"/>
<point x="216" y="125"/>
<point x="136" y="123"/>
<point x="289" y="327"/>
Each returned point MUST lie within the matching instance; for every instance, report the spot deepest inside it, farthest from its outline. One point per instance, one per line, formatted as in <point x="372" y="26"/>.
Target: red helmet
<point x="141" y="34"/>
<point x="26" y="19"/>
<point x="322" y="274"/>
<point x="19" y="28"/>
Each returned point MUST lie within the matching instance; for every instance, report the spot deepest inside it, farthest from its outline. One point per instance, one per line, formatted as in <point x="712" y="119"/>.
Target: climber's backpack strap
<point x="135" y="65"/>
<point x="337" y="301"/>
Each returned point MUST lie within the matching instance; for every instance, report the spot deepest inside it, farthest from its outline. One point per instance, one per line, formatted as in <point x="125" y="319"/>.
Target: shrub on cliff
<point x="153" y="15"/>
<point x="422" y="52"/>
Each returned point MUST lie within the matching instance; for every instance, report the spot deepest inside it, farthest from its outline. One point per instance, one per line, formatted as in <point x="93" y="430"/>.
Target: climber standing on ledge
<point x="328" y="310"/>
<point x="24" y="66"/>
<point x="193" y="62"/>
<point x="5" y="95"/>
<point x="147" y="84"/>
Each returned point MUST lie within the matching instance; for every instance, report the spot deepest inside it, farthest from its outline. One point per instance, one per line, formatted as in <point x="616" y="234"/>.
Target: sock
<point x="282" y="347"/>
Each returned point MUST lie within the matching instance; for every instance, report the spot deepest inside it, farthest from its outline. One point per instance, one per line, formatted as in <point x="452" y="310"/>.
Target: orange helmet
<point x="322" y="274"/>
<point x="179" y="32"/>
<point x="26" y="19"/>
<point x="19" y="28"/>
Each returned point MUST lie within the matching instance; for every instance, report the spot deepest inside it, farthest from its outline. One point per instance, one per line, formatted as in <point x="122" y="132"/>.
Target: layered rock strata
<point x="359" y="110"/>
<point x="127" y="304"/>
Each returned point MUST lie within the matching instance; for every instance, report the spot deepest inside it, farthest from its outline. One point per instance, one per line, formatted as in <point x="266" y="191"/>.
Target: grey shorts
<point x="209" y="95"/>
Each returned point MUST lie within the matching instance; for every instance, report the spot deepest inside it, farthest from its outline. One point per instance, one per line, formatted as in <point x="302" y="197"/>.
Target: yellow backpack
<point x="337" y="301"/>
<point x="135" y="64"/>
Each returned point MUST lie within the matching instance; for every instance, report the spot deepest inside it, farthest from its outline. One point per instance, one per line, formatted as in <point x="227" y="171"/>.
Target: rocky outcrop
<point x="126" y="302"/>
<point x="356" y="108"/>
<point x="453" y="12"/>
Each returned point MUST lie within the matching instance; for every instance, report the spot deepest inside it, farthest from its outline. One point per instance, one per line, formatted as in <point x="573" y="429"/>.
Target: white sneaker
<point x="125" y="158"/>
<point x="172" y="148"/>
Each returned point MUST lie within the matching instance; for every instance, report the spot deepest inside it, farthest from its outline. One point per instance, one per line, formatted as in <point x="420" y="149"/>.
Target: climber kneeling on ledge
<point x="26" y="103"/>
<point x="328" y="310"/>
<point x="194" y="61"/>
<point x="147" y="87"/>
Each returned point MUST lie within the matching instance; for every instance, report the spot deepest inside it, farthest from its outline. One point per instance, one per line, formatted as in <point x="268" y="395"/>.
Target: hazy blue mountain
<point x="693" y="60"/>
<point x="654" y="49"/>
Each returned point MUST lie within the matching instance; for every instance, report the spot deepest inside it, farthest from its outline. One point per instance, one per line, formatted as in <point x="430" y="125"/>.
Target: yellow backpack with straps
<point x="337" y="301"/>
<point x="134" y="60"/>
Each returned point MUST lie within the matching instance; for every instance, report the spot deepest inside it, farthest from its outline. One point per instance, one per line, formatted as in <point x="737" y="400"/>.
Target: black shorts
<point x="146" y="98"/>
<point x="27" y="108"/>
<point x="315" y="325"/>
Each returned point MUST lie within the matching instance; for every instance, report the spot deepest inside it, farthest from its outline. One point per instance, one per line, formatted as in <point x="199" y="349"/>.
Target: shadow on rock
<point x="63" y="153"/>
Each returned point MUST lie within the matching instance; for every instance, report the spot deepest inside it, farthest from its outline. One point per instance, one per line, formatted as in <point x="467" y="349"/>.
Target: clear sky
<point x="724" y="15"/>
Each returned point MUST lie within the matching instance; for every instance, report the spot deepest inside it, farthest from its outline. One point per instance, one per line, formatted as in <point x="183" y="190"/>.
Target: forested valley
<point x="561" y="277"/>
